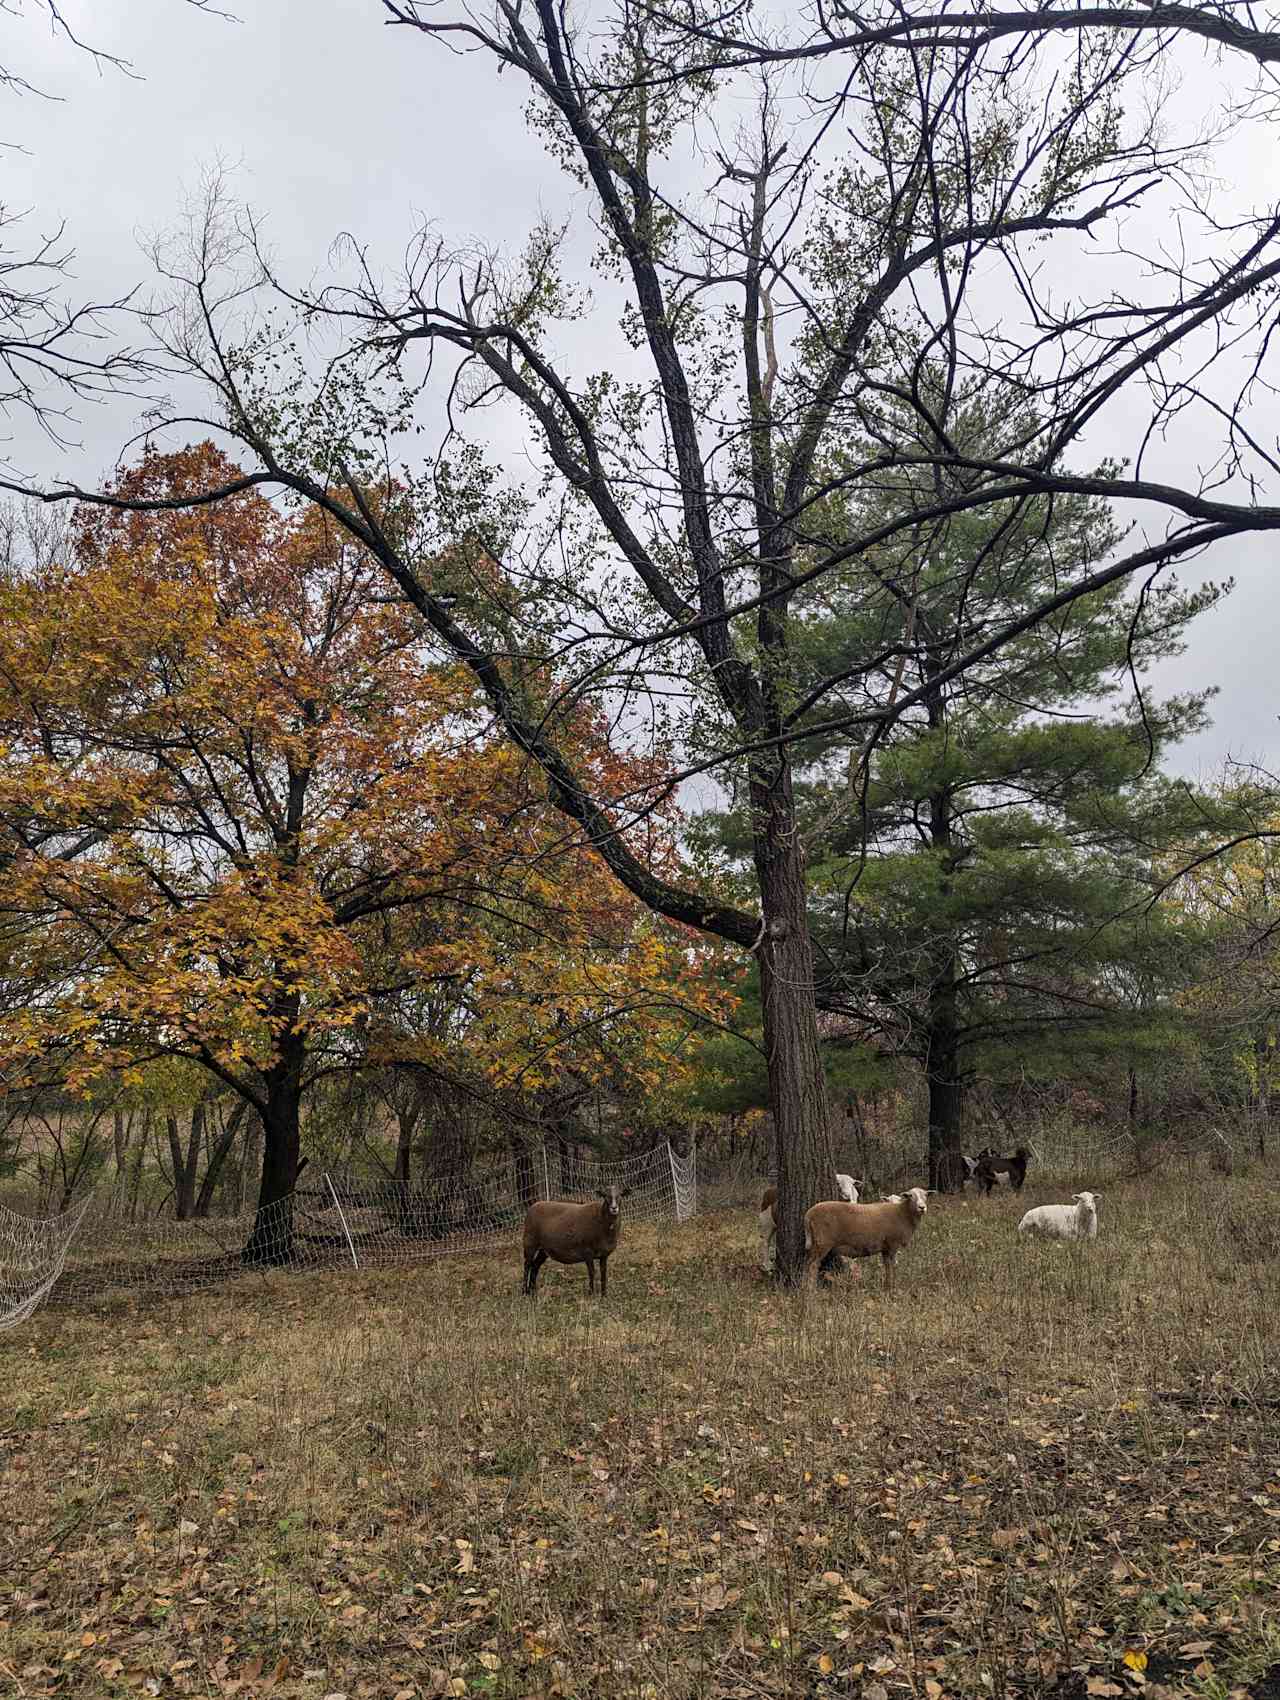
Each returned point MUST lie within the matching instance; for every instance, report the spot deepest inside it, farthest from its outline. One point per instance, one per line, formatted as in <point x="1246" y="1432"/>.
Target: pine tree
<point x="980" y="878"/>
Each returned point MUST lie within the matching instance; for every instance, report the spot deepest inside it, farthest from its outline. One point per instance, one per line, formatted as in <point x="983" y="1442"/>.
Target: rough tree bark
<point x="272" y="1238"/>
<point x="797" y="1088"/>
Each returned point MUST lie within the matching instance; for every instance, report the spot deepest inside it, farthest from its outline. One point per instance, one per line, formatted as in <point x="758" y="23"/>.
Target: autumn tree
<point x="230" y="774"/>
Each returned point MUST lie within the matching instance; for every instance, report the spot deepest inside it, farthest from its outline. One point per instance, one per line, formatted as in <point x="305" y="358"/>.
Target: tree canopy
<point x="251" y="822"/>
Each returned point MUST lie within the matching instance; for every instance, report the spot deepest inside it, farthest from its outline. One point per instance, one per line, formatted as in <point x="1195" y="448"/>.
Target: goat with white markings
<point x="572" y="1233"/>
<point x="992" y="1170"/>
<point x="863" y="1230"/>
<point x="846" y="1186"/>
<point x="1075" y="1221"/>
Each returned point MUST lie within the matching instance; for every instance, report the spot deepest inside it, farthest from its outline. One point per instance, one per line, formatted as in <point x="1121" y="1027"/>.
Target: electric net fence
<point x="338" y="1222"/>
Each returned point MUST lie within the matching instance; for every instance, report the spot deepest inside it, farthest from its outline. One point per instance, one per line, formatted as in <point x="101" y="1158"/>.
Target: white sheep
<point x="846" y="1186"/>
<point x="1075" y="1221"/>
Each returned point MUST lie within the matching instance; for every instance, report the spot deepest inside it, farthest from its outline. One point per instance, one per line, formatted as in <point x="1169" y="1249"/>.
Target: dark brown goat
<point x="990" y="1168"/>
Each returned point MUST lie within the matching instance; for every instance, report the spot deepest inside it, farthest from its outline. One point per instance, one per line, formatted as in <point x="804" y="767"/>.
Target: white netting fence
<point x="390" y="1223"/>
<point x="335" y="1222"/>
<point x="32" y="1255"/>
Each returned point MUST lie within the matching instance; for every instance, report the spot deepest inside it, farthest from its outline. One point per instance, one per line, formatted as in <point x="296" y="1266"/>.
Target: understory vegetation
<point x="1041" y="1470"/>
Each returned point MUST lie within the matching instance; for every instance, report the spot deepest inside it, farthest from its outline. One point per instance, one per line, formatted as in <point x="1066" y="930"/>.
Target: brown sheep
<point x="572" y="1233"/>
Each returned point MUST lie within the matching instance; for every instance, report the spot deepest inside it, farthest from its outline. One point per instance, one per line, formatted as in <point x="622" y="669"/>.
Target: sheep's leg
<point x="531" y="1268"/>
<point x="604" y="1275"/>
<point x="768" y="1247"/>
<point x="591" y="1277"/>
<point x="887" y="1263"/>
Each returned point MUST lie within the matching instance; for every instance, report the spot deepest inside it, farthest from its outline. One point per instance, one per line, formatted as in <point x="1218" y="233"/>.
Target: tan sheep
<point x="846" y="1186"/>
<point x="863" y="1230"/>
<point x="572" y="1233"/>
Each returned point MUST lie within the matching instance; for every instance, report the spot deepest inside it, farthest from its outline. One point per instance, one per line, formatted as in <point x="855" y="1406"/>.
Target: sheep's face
<point x="612" y="1203"/>
<point x="919" y="1200"/>
<point x="1088" y="1199"/>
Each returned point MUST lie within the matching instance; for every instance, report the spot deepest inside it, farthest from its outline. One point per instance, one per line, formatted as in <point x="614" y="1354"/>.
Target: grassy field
<point x="1040" y="1470"/>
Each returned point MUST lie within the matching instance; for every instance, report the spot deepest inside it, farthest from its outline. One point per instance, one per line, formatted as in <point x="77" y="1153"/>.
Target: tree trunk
<point x="175" y="1157"/>
<point x="946" y="1095"/>
<point x="272" y="1238"/>
<point x="186" y="1168"/>
<point x="526" y="1182"/>
<point x="120" y="1140"/>
<point x="406" y="1126"/>
<point x="942" y="1042"/>
<point x="797" y="1089"/>
<point x="1263" y="1047"/>
<point x="139" y="1158"/>
<point x="218" y="1158"/>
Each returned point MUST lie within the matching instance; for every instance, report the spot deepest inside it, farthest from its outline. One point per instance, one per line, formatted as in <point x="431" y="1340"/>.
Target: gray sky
<point x="332" y="121"/>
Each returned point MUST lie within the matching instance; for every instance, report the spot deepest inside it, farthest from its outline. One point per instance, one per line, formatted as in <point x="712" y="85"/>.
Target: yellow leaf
<point x="1135" y="1661"/>
<point x="826" y="1664"/>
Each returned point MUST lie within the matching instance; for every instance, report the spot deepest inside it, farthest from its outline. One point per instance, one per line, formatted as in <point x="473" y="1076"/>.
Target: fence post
<point x="546" y="1173"/>
<point x="342" y="1217"/>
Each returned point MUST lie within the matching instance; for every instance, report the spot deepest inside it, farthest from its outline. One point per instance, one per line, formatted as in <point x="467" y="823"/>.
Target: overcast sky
<point x="332" y="121"/>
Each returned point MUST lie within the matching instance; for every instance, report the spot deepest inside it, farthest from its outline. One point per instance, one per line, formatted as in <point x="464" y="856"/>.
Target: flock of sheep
<point x="588" y="1233"/>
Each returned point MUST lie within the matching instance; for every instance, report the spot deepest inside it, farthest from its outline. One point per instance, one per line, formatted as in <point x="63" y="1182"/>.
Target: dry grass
<point x="1033" y="1461"/>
